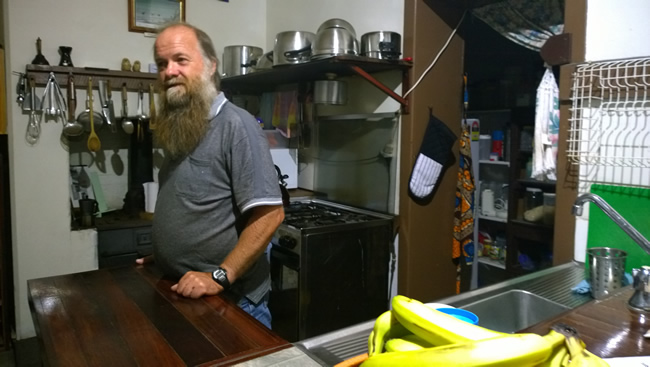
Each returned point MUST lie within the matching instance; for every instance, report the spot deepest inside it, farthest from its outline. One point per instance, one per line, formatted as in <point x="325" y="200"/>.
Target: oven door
<point x="284" y="298"/>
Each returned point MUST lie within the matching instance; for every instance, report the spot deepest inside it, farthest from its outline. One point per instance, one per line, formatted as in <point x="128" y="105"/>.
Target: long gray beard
<point x="181" y="124"/>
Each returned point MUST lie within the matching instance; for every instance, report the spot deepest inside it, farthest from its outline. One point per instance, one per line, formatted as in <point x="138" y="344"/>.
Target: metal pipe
<point x="613" y="215"/>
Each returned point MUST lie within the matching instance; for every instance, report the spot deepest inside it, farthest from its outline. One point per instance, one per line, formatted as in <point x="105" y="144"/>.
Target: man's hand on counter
<point x="195" y="284"/>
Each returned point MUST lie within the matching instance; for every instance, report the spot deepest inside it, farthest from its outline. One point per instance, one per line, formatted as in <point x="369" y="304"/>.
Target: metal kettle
<point x="640" y="300"/>
<point x="283" y="186"/>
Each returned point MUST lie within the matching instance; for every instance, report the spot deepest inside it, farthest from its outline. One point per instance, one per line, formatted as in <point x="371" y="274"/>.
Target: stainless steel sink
<point x="513" y="310"/>
<point x="508" y="306"/>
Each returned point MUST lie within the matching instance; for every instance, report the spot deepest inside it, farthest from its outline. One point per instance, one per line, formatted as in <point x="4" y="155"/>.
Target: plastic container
<point x="534" y="198"/>
<point x="487" y="203"/>
<point x="461" y="314"/>
<point x="549" y="208"/>
<point x="497" y="143"/>
<point x="487" y="247"/>
<point x="484" y="147"/>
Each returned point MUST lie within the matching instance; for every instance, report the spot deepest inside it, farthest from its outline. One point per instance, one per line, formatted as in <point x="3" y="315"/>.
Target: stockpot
<point x="240" y="59"/>
<point x="335" y="37"/>
<point x="292" y="47"/>
<point x="381" y="45"/>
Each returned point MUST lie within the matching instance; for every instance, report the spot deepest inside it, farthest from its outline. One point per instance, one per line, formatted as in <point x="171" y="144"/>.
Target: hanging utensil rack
<point x="609" y="122"/>
<point x="117" y="78"/>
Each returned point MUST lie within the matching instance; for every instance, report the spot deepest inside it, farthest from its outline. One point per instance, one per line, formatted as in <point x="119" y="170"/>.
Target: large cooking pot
<point x="335" y="37"/>
<point x="292" y="47"/>
<point x="337" y="23"/>
<point x="381" y="45"/>
<point x="240" y="59"/>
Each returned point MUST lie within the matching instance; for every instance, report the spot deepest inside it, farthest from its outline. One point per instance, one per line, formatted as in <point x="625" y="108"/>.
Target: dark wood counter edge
<point x="272" y="344"/>
<point x="608" y="327"/>
<point x="246" y="356"/>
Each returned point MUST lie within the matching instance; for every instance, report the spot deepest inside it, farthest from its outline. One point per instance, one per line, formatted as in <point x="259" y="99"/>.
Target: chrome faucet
<point x="640" y="300"/>
<point x="613" y="215"/>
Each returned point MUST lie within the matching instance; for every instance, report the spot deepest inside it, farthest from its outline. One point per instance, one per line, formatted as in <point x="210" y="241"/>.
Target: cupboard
<point x="523" y="240"/>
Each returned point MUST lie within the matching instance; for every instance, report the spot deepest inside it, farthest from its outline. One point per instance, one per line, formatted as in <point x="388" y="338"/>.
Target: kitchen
<point x="54" y="249"/>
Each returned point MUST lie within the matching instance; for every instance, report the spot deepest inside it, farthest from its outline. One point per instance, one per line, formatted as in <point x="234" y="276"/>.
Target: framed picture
<point x="148" y="15"/>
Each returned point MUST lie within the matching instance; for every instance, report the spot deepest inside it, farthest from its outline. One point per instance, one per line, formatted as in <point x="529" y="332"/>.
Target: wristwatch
<point x="221" y="277"/>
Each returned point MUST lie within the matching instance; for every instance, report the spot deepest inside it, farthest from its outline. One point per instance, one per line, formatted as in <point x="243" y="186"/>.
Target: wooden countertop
<point x="127" y="316"/>
<point x="608" y="327"/>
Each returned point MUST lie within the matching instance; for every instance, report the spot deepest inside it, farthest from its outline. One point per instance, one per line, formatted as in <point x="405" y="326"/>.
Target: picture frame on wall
<point x="149" y="15"/>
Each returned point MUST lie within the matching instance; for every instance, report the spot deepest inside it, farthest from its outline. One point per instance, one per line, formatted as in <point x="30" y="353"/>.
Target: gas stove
<point x="328" y="259"/>
<point x="319" y="217"/>
<point x="316" y="213"/>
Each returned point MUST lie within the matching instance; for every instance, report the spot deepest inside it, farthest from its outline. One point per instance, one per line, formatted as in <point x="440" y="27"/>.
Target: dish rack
<point x="609" y="122"/>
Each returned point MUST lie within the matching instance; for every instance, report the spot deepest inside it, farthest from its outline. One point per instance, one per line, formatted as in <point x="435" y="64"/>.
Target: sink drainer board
<point x="513" y="310"/>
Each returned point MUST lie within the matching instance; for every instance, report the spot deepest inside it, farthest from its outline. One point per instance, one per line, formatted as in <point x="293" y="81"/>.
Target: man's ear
<point x="213" y="68"/>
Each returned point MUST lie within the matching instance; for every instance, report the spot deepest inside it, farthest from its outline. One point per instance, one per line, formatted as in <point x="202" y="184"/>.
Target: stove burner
<point x="307" y="215"/>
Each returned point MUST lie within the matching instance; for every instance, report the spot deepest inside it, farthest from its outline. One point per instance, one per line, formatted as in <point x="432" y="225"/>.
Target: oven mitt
<point x="434" y="152"/>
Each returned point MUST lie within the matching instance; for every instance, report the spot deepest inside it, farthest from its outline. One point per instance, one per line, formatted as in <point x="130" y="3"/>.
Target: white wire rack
<point x="609" y="132"/>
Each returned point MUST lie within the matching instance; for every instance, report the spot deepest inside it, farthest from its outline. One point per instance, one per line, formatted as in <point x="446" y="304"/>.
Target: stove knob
<point x="288" y="242"/>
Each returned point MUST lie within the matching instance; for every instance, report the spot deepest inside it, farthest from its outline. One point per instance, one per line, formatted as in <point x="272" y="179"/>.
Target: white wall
<point x="307" y="15"/>
<point x="615" y="30"/>
<point x="365" y="16"/>
<point x="43" y="244"/>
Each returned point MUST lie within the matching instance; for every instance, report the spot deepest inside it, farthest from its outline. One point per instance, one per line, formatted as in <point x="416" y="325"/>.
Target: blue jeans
<point x="260" y="311"/>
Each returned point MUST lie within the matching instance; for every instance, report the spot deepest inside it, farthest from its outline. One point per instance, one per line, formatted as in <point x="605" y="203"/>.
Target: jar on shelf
<point x="534" y="198"/>
<point x="549" y="208"/>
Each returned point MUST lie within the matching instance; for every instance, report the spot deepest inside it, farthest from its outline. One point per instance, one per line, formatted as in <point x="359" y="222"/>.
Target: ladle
<point x="127" y="124"/>
<point x="72" y="127"/>
<point x="93" y="140"/>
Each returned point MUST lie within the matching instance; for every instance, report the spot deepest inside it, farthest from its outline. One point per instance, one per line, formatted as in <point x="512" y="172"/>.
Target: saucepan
<point x="240" y="59"/>
<point x="330" y="91"/>
<point x="292" y="47"/>
<point x="381" y="45"/>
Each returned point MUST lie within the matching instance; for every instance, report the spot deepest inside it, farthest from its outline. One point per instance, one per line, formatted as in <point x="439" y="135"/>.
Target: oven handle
<point x="285" y="257"/>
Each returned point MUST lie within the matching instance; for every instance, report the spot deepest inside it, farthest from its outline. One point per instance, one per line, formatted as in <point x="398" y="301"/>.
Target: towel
<point x="547" y="127"/>
<point x="463" y="239"/>
<point x="285" y="113"/>
<point x="584" y="287"/>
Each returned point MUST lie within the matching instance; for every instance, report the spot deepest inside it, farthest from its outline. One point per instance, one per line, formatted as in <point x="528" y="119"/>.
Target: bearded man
<point x="219" y="201"/>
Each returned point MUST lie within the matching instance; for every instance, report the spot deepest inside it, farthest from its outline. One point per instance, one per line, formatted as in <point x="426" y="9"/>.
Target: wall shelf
<point x="496" y="163"/>
<point x="491" y="262"/>
<point x="494" y="219"/>
<point x="344" y="65"/>
<point x="133" y="80"/>
<point x="546" y="186"/>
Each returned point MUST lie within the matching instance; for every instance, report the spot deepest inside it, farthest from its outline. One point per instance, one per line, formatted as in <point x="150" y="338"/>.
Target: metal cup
<point x="606" y="270"/>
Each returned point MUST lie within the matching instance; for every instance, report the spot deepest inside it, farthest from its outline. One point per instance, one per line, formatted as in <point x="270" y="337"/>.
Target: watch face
<point x="221" y="278"/>
<point x="218" y="275"/>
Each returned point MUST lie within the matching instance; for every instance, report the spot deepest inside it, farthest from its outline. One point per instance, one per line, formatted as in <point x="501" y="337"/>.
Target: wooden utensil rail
<point x="133" y="80"/>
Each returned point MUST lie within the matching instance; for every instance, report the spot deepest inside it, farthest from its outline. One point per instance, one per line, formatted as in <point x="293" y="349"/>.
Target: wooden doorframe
<point x="575" y="23"/>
